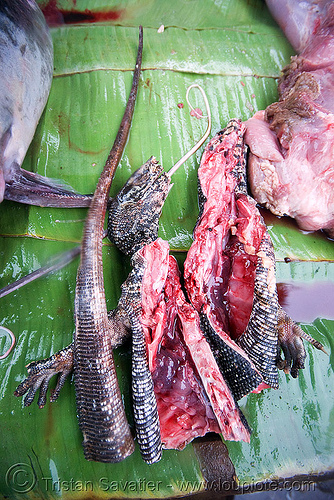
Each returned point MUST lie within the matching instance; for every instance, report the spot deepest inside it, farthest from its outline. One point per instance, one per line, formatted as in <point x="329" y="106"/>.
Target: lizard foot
<point x="40" y="374"/>
<point x="290" y="340"/>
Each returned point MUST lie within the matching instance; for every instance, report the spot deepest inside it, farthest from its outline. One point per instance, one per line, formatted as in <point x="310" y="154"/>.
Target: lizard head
<point x="134" y="213"/>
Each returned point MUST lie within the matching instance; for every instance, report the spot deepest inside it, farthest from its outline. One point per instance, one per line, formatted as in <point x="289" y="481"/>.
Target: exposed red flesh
<point x="192" y="396"/>
<point x="221" y="261"/>
<point x="229" y="271"/>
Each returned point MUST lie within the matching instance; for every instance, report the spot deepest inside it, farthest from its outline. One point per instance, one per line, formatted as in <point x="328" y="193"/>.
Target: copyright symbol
<point x="21" y="478"/>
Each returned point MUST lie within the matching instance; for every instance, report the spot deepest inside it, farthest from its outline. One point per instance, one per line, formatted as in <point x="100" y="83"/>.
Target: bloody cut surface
<point x="230" y="268"/>
<point x="192" y="396"/>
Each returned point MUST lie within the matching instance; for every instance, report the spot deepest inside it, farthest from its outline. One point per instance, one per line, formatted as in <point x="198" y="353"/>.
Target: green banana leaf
<point x="235" y="51"/>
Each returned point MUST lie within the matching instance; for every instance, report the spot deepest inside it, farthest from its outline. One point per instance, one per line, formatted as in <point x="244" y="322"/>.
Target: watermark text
<point x="22" y="478"/>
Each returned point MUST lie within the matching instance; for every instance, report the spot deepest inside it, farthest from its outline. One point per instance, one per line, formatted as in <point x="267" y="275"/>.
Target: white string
<point x="205" y="136"/>
<point x="204" y="97"/>
<point x="12" y="337"/>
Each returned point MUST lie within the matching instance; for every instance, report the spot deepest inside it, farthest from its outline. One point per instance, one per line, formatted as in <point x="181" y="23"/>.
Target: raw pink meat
<point x="299" y="19"/>
<point x="192" y="396"/>
<point x="291" y="161"/>
<point x="221" y="270"/>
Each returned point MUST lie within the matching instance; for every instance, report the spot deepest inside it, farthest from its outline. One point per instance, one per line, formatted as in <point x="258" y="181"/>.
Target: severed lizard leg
<point x="60" y="364"/>
<point x="290" y="337"/>
<point x="40" y="374"/>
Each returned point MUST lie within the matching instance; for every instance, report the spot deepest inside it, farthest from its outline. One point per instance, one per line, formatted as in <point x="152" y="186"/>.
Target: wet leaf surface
<point x="235" y="51"/>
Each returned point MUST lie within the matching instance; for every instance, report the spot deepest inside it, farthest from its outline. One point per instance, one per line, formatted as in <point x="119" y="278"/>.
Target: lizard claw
<point x="294" y="356"/>
<point x="290" y="341"/>
<point x="40" y="374"/>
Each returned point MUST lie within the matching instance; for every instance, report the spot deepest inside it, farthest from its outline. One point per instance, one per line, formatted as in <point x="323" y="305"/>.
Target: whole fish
<point x="26" y="69"/>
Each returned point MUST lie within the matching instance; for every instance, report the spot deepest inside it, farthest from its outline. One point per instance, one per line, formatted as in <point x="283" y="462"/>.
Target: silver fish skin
<point x="26" y="68"/>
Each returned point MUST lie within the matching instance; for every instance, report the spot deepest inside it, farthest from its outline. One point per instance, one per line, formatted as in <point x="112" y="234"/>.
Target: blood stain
<point x="56" y="16"/>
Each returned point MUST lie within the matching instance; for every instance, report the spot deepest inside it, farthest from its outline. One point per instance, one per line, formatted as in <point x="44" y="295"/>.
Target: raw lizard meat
<point x="198" y="370"/>
<point x="192" y="396"/>
<point x="138" y="199"/>
<point x="221" y="264"/>
<point x="191" y="393"/>
<point x="229" y="273"/>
